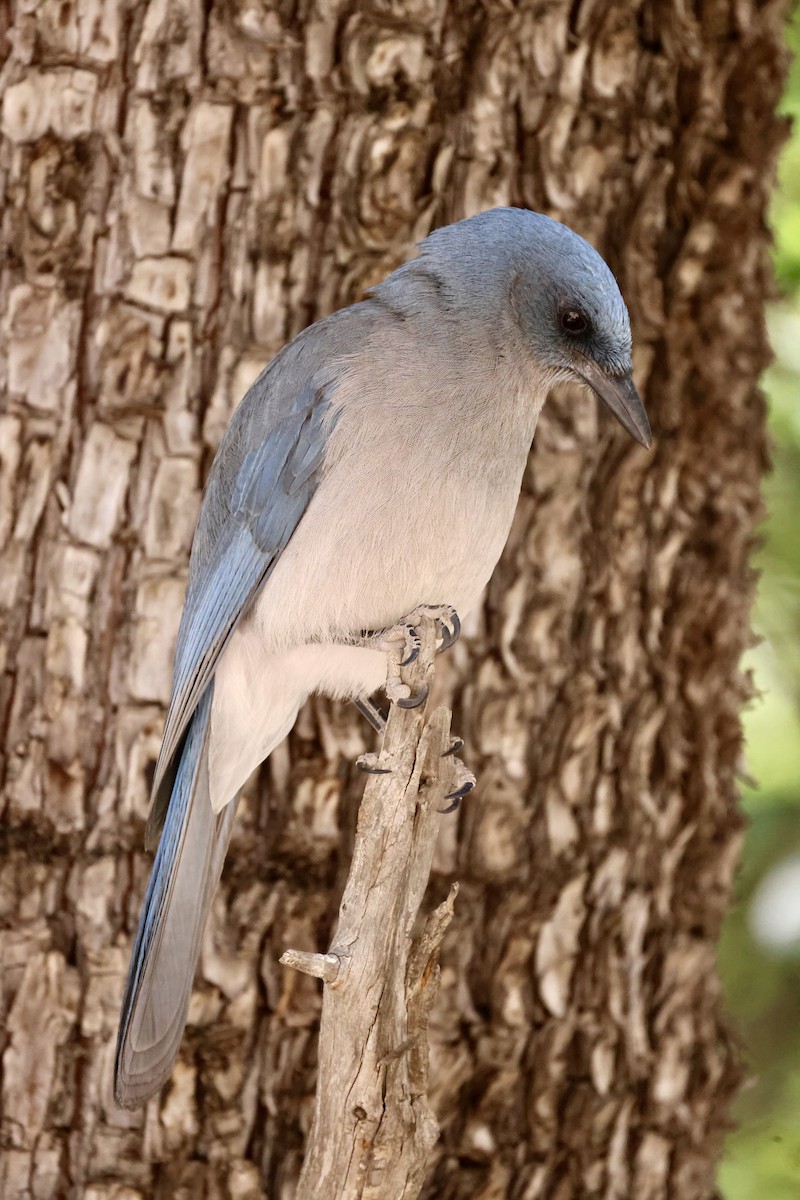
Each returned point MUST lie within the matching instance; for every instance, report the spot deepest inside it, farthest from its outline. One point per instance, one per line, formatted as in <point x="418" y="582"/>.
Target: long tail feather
<point x="182" y="884"/>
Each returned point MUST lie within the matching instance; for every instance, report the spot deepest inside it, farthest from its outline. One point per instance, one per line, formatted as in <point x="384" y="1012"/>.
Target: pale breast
<point x="421" y="479"/>
<point x="362" y="558"/>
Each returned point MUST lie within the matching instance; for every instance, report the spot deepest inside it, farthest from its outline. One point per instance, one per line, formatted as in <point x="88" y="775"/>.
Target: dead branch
<point x="373" y="1128"/>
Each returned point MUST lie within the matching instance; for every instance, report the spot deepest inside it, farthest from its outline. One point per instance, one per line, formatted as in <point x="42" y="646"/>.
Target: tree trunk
<point x="186" y="186"/>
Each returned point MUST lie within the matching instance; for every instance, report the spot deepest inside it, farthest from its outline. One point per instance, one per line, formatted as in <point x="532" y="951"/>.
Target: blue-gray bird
<point x="373" y="468"/>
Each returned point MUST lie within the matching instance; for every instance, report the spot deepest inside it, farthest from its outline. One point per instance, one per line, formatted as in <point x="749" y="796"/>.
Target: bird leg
<point x="373" y="714"/>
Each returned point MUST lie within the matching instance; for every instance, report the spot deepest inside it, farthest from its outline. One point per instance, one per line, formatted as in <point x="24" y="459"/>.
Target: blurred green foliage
<point x="763" y="985"/>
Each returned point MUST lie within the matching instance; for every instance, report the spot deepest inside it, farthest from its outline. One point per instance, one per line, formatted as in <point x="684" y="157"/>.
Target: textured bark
<point x="185" y="186"/>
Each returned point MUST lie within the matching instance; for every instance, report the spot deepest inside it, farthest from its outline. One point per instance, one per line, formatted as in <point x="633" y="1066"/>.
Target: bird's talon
<point x="462" y="791"/>
<point x="414" y="701"/>
<point x="456" y="745"/>
<point x="413" y="643"/>
<point x="451" y="808"/>
<point x="368" y="763"/>
<point x="449" y="632"/>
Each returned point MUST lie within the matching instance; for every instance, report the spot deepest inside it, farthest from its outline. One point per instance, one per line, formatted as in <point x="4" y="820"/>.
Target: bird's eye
<point x="573" y="321"/>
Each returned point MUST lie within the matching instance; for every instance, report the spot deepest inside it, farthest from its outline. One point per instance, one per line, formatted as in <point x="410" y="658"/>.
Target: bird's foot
<point x="402" y="644"/>
<point x="456" y="745"/>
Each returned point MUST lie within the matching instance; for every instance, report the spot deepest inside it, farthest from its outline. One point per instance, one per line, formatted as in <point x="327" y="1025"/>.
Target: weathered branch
<point x="373" y="1128"/>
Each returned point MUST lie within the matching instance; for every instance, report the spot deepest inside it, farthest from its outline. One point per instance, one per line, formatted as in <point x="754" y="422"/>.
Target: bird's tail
<point x="185" y="874"/>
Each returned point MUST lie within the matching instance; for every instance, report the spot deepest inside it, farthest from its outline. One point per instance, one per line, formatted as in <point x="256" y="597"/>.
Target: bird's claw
<point x="413" y="701"/>
<point x="449" y="629"/>
<point x="464" y="779"/>
<point x="448" y="623"/>
<point x="413" y="644"/>
<point x="458" y="794"/>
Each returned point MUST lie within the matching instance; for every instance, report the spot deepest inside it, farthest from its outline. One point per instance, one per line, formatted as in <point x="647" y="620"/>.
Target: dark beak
<point x="620" y="396"/>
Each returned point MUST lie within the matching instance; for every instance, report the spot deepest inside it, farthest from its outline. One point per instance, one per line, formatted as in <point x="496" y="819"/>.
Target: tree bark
<point x="185" y="186"/>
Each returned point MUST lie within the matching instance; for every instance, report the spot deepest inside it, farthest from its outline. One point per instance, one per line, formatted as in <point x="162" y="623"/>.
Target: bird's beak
<point x="620" y="396"/>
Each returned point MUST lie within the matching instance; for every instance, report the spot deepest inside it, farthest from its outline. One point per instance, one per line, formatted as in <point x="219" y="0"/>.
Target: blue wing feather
<point x="263" y="492"/>
<point x="263" y="478"/>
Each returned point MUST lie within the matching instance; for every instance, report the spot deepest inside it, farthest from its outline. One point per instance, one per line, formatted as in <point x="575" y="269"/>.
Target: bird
<point x="373" y="467"/>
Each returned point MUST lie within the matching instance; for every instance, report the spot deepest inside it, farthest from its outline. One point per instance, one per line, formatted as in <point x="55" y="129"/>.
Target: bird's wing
<point x="262" y="482"/>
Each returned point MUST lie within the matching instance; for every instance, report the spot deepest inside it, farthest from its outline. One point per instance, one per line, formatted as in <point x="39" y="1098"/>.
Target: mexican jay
<point x="373" y="467"/>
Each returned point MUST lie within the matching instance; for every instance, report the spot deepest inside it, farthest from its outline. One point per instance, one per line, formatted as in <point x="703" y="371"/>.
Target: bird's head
<point x="562" y="297"/>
